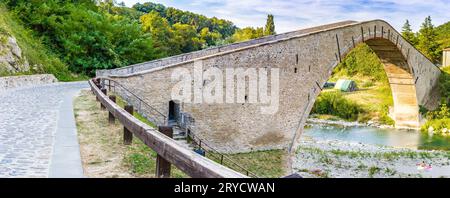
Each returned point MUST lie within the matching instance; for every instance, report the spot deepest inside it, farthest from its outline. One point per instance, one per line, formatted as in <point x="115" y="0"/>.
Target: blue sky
<point x="297" y="14"/>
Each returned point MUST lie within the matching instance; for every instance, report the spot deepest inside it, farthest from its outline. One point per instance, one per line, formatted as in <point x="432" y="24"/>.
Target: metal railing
<point x="146" y="110"/>
<point x="168" y="150"/>
<point x="221" y="158"/>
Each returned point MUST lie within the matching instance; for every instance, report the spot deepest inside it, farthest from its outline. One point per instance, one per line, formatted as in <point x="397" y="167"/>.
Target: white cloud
<point x="297" y="14"/>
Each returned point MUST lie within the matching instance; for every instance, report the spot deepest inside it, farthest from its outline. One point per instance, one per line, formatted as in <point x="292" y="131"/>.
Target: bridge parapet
<point x="209" y="51"/>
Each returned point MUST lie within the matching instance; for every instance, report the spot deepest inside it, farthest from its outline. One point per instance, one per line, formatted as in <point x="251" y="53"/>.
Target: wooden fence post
<point x="163" y="166"/>
<point x="127" y="135"/>
<point x="104" y="92"/>
<point x="111" y="117"/>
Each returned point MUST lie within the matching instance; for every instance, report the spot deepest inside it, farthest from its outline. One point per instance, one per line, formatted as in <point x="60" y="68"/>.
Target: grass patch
<point x="101" y="144"/>
<point x="373" y="170"/>
<point x="121" y="102"/>
<point x="270" y="163"/>
<point x="364" y="155"/>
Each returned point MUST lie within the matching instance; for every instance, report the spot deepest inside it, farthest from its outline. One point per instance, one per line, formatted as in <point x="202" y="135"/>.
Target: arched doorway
<point x="174" y="112"/>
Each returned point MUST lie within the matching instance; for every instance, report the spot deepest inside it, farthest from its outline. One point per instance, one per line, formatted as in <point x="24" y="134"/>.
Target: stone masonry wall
<point x="305" y="62"/>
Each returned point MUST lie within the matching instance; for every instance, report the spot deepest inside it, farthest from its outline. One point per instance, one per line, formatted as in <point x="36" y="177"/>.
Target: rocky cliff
<point x="11" y="58"/>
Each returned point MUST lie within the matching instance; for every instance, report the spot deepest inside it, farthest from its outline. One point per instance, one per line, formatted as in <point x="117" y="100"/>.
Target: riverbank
<point x="340" y="159"/>
<point x="340" y="122"/>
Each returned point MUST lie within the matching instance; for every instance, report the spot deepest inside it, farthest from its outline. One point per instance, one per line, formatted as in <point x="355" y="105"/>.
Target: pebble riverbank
<point x="340" y="159"/>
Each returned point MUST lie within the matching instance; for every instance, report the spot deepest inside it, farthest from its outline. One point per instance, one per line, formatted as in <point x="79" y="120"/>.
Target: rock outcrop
<point x="11" y="57"/>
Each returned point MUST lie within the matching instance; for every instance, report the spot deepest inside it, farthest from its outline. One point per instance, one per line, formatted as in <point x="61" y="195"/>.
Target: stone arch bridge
<point x="305" y="59"/>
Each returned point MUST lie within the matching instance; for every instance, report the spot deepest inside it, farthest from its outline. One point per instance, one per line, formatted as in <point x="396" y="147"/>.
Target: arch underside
<point x="406" y="108"/>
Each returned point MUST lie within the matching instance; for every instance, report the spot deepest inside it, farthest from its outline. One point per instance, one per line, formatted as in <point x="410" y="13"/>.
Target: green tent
<point x="345" y="85"/>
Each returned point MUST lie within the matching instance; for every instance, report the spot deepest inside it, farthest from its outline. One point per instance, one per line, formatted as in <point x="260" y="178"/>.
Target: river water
<point x="379" y="136"/>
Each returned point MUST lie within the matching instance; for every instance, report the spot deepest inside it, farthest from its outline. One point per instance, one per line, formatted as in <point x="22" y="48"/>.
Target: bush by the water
<point x="333" y="103"/>
<point x="438" y="120"/>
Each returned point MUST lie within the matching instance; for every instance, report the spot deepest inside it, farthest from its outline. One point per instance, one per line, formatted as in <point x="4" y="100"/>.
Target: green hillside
<point x="40" y="58"/>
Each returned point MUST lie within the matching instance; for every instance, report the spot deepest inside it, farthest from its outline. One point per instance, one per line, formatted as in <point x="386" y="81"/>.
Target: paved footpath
<point x="38" y="133"/>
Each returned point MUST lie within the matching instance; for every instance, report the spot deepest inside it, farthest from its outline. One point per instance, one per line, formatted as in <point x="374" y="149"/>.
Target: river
<point x="379" y="136"/>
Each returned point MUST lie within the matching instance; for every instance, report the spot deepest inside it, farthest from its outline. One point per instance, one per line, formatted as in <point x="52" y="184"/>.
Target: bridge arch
<point x="401" y="79"/>
<point x="306" y="59"/>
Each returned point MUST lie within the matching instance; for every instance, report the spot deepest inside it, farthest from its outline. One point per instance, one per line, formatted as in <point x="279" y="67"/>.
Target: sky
<point x="292" y="15"/>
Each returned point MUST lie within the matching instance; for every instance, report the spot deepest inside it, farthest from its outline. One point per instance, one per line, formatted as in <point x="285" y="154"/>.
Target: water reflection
<point x="387" y="137"/>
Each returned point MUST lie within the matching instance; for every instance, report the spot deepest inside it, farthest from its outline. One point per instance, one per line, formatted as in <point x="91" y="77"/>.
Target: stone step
<point x="179" y="138"/>
<point x="185" y="144"/>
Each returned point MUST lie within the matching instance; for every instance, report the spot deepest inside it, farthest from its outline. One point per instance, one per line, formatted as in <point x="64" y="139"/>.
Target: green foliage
<point x="333" y="103"/>
<point x="444" y="84"/>
<point x="373" y="170"/>
<point x="173" y="15"/>
<point x="88" y="35"/>
<point x="408" y="34"/>
<point x="247" y="33"/>
<point x="363" y="61"/>
<point x="270" y="26"/>
<point x="443" y="36"/>
<point x="160" y="31"/>
<point x="384" y="115"/>
<point x="185" y="38"/>
<point x="40" y="58"/>
<point x="428" y="40"/>
<point x="440" y="118"/>
<point x="442" y="113"/>
<point x="84" y="36"/>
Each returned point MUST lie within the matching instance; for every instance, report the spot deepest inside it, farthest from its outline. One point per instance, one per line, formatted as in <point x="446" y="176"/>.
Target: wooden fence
<point x="168" y="150"/>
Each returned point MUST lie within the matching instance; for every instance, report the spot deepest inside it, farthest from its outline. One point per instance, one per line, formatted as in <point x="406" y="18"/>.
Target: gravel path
<point x="36" y="125"/>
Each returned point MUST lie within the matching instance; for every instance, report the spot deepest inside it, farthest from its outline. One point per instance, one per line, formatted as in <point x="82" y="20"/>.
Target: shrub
<point x="438" y="119"/>
<point x="333" y="103"/>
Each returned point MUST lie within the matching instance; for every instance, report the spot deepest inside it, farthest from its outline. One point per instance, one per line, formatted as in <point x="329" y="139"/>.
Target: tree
<point x="247" y="34"/>
<point x="185" y="38"/>
<point x="427" y="40"/>
<point x="86" y="36"/>
<point x="270" y="26"/>
<point x="408" y="34"/>
<point x="160" y="31"/>
<point x="209" y="38"/>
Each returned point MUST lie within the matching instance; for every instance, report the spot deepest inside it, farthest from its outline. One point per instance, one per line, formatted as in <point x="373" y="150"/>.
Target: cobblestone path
<point x="30" y="121"/>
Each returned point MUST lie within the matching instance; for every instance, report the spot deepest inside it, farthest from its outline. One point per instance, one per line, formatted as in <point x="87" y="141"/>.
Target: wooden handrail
<point x="184" y="159"/>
